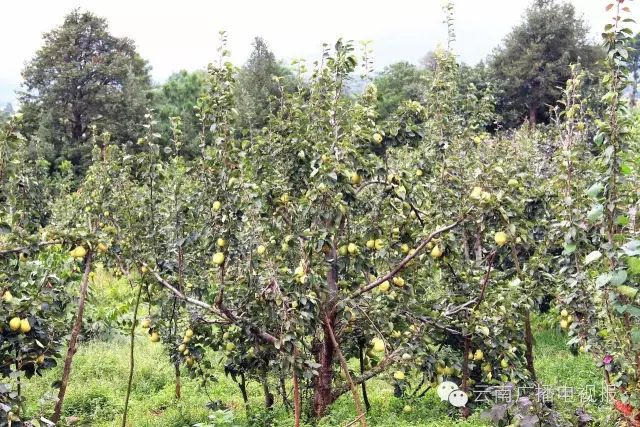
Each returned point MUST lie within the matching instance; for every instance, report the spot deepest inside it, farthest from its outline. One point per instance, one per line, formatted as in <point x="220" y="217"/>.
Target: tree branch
<point x="225" y="314"/>
<point x="26" y="248"/>
<point x="405" y="261"/>
<point x="378" y="369"/>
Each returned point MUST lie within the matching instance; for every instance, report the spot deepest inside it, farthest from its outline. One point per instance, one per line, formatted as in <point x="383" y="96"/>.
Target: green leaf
<point x="631" y="248"/>
<point x="618" y="277"/>
<point x="569" y="248"/>
<point x="633" y="310"/>
<point x="622" y="220"/>
<point x="599" y="139"/>
<point x="595" y="190"/>
<point x="593" y="256"/>
<point x="603" y="279"/>
<point x="627" y="291"/>
<point x="595" y="213"/>
<point x="634" y="265"/>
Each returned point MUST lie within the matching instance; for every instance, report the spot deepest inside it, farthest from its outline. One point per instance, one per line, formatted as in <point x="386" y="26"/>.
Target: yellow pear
<point x="216" y="206"/>
<point x="384" y="286"/>
<point x="398" y="281"/>
<point x="7" y="297"/>
<point x="379" y="244"/>
<point x="476" y="193"/>
<point x="378" y="345"/>
<point x="14" y="324"/>
<point x="352" y="248"/>
<point x="78" y="252"/>
<point x="398" y="375"/>
<point x="501" y="238"/>
<point x="218" y="258"/>
<point x="221" y="242"/>
<point x="155" y="337"/>
<point x="436" y="252"/>
<point x="25" y="326"/>
<point x="261" y="250"/>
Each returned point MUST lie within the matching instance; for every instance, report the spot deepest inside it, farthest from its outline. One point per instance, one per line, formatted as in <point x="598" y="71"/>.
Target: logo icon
<point x="450" y="392"/>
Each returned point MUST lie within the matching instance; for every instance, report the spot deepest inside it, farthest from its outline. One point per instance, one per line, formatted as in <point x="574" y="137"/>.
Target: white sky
<point x="174" y="35"/>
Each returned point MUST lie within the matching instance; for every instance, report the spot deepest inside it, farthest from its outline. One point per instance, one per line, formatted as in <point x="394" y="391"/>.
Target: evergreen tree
<point x="533" y="63"/>
<point x="84" y="77"/>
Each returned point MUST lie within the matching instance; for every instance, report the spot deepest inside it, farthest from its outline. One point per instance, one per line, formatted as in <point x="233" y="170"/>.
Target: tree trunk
<point x="528" y="339"/>
<point x="297" y="406"/>
<point x="533" y="115"/>
<point x="323" y="349"/>
<point x="131" y="357"/>
<point x="365" y="398"/>
<point x="76" y="130"/>
<point x="75" y="332"/>
<point x="176" y="368"/>
<point x="243" y="389"/>
<point x="345" y="369"/>
<point x="268" y="396"/>
<point x="322" y="396"/>
<point x="634" y="89"/>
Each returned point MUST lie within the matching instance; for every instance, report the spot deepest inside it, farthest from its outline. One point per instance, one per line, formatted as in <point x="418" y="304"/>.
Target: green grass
<point x="557" y="366"/>
<point x="99" y="377"/>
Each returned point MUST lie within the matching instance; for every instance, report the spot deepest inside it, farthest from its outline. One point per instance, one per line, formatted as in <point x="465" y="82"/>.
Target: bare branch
<point x="459" y="308"/>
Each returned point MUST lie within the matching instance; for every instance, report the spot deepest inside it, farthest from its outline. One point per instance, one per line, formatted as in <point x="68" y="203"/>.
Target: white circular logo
<point x="458" y="398"/>
<point x="445" y="388"/>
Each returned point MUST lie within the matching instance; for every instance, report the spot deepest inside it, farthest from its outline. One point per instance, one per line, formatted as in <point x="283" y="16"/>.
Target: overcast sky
<point x="175" y="35"/>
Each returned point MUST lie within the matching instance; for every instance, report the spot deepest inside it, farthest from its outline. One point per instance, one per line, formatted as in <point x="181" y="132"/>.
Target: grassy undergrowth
<point x="98" y="383"/>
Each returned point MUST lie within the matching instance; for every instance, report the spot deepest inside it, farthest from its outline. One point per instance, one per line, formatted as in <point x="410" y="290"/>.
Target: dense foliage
<point x="534" y="61"/>
<point x="290" y="228"/>
<point x="83" y="77"/>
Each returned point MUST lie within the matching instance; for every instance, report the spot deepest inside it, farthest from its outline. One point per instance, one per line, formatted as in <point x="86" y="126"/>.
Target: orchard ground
<point x="99" y="381"/>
